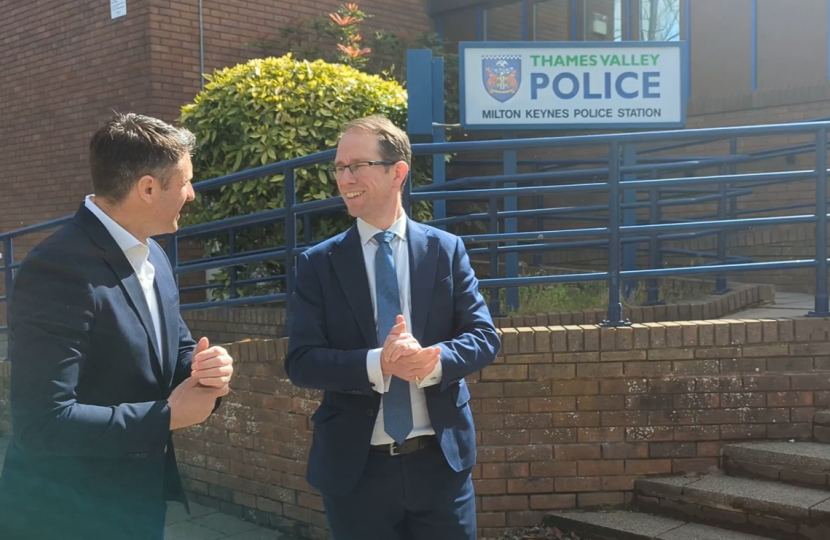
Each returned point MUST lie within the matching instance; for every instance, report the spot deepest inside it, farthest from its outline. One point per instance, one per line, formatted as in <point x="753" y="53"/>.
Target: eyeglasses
<point x="355" y="168"/>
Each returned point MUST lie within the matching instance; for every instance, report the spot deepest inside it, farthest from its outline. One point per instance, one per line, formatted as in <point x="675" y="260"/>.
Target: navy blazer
<point x="92" y="452"/>
<point x="331" y="329"/>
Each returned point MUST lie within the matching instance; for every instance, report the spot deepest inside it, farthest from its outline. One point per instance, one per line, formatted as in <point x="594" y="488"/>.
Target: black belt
<point x="407" y="447"/>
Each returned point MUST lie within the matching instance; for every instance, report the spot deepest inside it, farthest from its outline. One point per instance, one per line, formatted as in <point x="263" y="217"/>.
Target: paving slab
<point x="695" y="531"/>
<point x="203" y="523"/>
<point x="186" y="530"/>
<point x="633" y="525"/>
<point x="224" y="523"/>
<point x="260" y="534"/>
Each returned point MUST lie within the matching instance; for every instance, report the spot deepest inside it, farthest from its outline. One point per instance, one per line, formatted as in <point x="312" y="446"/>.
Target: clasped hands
<point x="195" y="398"/>
<point x="403" y="357"/>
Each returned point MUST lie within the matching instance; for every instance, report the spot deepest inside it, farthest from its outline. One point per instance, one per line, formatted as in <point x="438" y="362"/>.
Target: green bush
<point x="270" y="110"/>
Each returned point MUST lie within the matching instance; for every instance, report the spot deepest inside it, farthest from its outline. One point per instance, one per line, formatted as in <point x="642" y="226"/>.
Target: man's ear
<point x="146" y="187"/>
<point x="401" y="170"/>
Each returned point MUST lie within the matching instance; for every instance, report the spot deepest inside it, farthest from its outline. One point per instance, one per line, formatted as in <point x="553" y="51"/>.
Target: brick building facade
<point x="66" y="65"/>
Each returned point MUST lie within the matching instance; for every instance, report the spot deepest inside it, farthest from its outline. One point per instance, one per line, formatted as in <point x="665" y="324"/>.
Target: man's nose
<point x="191" y="193"/>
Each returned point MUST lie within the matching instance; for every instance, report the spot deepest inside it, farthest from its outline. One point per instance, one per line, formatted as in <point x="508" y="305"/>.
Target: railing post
<point x="655" y="254"/>
<point x="290" y="237"/>
<point x="614" y="305"/>
<point x="629" y="153"/>
<point x="232" y="272"/>
<point x="439" y="164"/>
<point x="733" y="169"/>
<point x="511" y="262"/>
<point x="539" y="221"/>
<point x="493" y="210"/>
<point x="821" y="306"/>
<point x="721" y="286"/>
<point x="307" y="229"/>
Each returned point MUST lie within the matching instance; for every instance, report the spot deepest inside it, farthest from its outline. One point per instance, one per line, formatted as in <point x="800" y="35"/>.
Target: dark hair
<point x="393" y="144"/>
<point x="129" y="146"/>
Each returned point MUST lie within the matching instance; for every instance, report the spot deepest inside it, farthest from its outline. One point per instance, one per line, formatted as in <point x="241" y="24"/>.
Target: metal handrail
<point x="614" y="234"/>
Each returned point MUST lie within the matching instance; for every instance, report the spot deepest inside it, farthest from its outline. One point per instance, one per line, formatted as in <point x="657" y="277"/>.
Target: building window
<point x="660" y="20"/>
<point x="503" y="23"/>
<point x="599" y="20"/>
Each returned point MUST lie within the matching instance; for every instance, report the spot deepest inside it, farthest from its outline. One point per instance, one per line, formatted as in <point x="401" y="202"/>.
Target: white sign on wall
<point x="118" y="8"/>
<point x="533" y="85"/>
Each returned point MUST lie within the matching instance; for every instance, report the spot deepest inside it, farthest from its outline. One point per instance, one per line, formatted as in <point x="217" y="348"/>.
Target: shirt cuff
<point x="434" y="377"/>
<point x="376" y="378"/>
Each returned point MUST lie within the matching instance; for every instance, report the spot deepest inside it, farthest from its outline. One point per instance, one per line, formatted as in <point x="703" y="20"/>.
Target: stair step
<point x="618" y="525"/>
<point x="798" y="463"/>
<point x="756" y="506"/>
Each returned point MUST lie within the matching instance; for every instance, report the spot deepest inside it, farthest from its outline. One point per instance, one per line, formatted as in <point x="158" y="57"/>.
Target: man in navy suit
<point x="387" y="320"/>
<point x="103" y="367"/>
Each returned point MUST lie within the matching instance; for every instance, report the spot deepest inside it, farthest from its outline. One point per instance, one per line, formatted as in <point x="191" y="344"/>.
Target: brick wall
<point x="567" y="417"/>
<point x="226" y="325"/>
<point x="66" y="65"/>
<point x="231" y="26"/>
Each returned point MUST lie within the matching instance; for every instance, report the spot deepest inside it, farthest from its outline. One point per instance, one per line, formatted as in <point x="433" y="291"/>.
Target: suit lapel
<point x="119" y="264"/>
<point x="350" y="267"/>
<point x="423" y="264"/>
<point x="166" y="290"/>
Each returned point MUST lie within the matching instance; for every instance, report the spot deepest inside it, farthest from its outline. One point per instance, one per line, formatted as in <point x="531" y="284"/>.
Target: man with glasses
<point x="387" y="320"/>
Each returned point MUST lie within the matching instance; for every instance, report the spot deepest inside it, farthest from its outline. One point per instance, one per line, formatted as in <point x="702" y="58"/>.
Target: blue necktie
<point x="397" y="408"/>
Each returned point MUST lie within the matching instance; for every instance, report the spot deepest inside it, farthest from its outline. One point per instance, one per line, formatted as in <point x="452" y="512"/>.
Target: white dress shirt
<point x="421" y="424"/>
<point x="138" y="254"/>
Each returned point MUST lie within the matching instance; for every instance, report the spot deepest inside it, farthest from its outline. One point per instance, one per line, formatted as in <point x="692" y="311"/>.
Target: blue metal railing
<point x="610" y="233"/>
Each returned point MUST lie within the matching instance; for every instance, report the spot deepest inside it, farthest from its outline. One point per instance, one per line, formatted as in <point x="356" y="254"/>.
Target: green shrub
<point x="270" y="110"/>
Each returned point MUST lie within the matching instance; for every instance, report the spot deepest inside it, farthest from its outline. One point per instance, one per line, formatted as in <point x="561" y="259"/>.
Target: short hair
<point x="129" y="146"/>
<point x="393" y="143"/>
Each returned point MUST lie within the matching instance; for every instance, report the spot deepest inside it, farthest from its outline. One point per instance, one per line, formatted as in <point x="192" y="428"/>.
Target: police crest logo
<point x="502" y="75"/>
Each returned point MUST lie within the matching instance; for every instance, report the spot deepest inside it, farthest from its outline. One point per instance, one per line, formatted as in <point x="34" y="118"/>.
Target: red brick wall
<point x="226" y="325"/>
<point x="230" y="26"/>
<point x="66" y="65"/>
<point x="567" y="417"/>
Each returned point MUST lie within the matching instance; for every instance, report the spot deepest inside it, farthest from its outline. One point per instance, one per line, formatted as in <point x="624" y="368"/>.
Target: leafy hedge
<point x="270" y="110"/>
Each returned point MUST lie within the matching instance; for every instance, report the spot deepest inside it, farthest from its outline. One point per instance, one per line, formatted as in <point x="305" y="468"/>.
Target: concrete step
<point x="805" y="464"/>
<point x="821" y="426"/>
<point x="623" y="525"/>
<point x="758" y="507"/>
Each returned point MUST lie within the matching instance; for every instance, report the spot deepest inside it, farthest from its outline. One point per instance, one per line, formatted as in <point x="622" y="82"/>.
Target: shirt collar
<point x="367" y="232"/>
<point x="124" y="239"/>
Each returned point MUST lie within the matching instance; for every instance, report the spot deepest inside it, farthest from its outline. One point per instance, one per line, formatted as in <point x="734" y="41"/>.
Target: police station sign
<point x="532" y="85"/>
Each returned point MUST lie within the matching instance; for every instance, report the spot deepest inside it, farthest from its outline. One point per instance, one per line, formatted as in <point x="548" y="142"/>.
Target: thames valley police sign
<point x="532" y="85"/>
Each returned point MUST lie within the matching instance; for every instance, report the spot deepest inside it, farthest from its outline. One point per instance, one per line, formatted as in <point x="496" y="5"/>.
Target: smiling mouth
<point x="353" y="194"/>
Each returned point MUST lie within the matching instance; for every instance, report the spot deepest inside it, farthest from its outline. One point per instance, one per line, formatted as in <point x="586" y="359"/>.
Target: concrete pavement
<point x="203" y="523"/>
<point x="786" y="305"/>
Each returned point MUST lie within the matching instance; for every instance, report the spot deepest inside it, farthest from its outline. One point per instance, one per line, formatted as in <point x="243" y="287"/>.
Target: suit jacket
<point x="92" y="453"/>
<point x="332" y="328"/>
